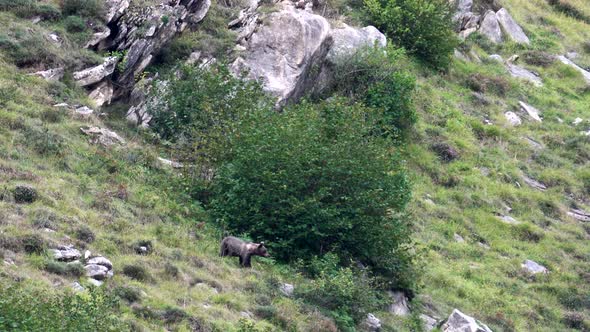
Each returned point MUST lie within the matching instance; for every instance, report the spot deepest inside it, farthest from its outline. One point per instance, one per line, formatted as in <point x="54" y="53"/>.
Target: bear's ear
<point x="261" y="244"/>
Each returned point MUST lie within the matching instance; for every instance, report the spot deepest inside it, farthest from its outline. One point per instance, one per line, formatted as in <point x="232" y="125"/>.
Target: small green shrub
<point x="43" y="140"/>
<point x="265" y="311"/>
<point x="136" y="272"/>
<point x="85" y="8"/>
<point x="33" y="244"/>
<point x="483" y="83"/>
<point x="65" y="269"/>
<point x="173" y="315"/>
<point x="422" y="27"/>
<point x="341" y="290"/>
<point x="130" y="294"/>
<point x="84" y="233"/>
<point x="376" y="78"/>
<point x="538" y="58"/>
<point x="74" y="24"/>
<point x="171" y="270"/>
<point x="44" y="218"/>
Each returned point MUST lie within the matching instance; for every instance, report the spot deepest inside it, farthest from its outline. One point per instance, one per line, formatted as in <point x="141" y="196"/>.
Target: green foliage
<point x="85" y="8"/>
<point x="343" y="290"/>
<point x="136" y="272"/>
<point x="65" y="269"/>
<point x="44" y="141"/>
<point x="22" y="309"/>
<point x="423" y="27"/>
<point x="376" y="78"/>
<point x="74" y="24"/>
<point x="312" y="180"/>
<point x="203" y="109"/>
<point x="30" y="8"/>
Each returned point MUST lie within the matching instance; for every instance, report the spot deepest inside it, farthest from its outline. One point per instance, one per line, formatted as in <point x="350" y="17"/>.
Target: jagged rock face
<point x="283" y="51"/>
<point x="96" y="74"/>
<point x="102" y="94"/>
<point x="114" y="9"/>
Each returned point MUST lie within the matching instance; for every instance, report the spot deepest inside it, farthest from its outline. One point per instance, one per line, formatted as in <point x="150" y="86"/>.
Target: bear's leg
<point x="247" y="262"/>
<point x="241" y="261"/>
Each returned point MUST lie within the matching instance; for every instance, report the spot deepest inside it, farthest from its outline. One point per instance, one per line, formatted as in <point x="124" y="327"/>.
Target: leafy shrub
<point x="483" y="83"/>
<point x="341" y="289"/>
<point x="65" y="269"/>
<point x="136" y="272"/>
<point x="171" y="270"/>
<point x="74" y="24"/>
<point x="311" y="180"/>
<point x="85" y="8"/>
<point x="30" y="310"/>
<point x="202" y="111"/>
<point x="130" y="294"/>
<point x="43" y="140"/>
<point x="84" y="233"/>
<point x="172" y="315"/>
<point x="376" y="78"/>
<point x="44" y="218"/>
<point x="33" y="244"/>
<point x="423" y="27"/>
<point x="538" y="58"/>
<point x="265" y="311"/>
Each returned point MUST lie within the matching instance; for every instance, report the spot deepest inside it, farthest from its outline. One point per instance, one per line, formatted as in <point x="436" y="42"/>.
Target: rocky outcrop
<point x="282" y="52"/>
<point x="524" y="74"/>
<point x="489" y="19"/>
<point x="287" y="289"/>
<point x="66" y="253"/>
<point x="102" y="136"/>
<point x="532" y="112"/>
<point x="96" y="74"/>
<point x="142" y="32"/>
<point x="114" y="9"/>
<point x="460" y="322"/>
<point x="579" y="215"/>
<point x="584" y="72"/>
<point x="490" y="27"/>
<point x="512" y="30"/>
<point x="399" y="305"/>
<point x="372" y="323"/>
<point x="51" y="75"/>
<point x="102" y="94"/>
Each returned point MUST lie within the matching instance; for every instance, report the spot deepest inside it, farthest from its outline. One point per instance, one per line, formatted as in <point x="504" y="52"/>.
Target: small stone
<point x="87" y="254"/>
<point x="170" y="163"/>
<point x="51" y="75"/>
<point x="533" y="267"/>
<point x="372" y="323"/>
<point x="400" y="305"/>
<point x="287" y="289"/>
<point x="65" y="105"/>
<point x="99" y="260"/>
<point x="76" y="287"/>
<point x="579" y="214"/>
<point x="94" y="282"/>
<point x="97" y="272"/>
<point x="513" y="119"/>
<point x="84" y="111"/>
<point x="534" y="183"/>
<point x="66" y="254"/>
<point x="531" y="111"/>
<point x="246" y="314"/>
<point x="496" y="57"/>
<point x="458" y="238"/>
<point x="509" y="220"/>
<point x="577" y="121"/>
<point x="429" y="322"/>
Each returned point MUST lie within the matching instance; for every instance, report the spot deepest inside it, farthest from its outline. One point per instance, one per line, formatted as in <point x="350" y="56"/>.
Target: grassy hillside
<point x="112" y="200"/>
<point x="465" y="197"/>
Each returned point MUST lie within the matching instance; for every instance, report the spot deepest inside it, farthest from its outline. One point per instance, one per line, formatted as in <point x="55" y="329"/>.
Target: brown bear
<point x="234" y="247"/>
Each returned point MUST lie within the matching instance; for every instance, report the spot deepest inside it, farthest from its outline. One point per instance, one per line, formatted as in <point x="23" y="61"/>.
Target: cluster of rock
<point x="494" y="22"/>
<point x="97" y="268"/>
<point x="135" y="34"/>
<point x="286" y="51"/>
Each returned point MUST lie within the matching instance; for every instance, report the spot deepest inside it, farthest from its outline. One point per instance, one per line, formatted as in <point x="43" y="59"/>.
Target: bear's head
<point x="261" y="250"/>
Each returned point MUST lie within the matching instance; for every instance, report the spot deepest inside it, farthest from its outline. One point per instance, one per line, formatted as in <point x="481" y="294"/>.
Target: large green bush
<point x="86" y="8"/>
<point x="312" y="180"/>
<point x="423" y="27"/>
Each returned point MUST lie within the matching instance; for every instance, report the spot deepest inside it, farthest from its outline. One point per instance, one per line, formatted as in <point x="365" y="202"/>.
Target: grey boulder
<point x="460" y="322"/>
<point x="282" y="52"/>
<point x="490" y="27"/>
<point x="533" y="267"/>
<point x="66" y="253"/>
<point x="96" y="74"/>
<point x="511" y="28"/>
